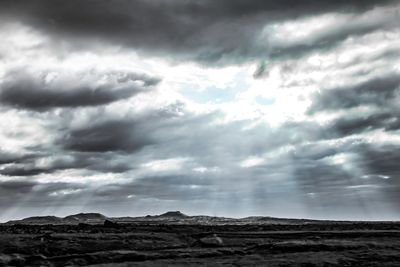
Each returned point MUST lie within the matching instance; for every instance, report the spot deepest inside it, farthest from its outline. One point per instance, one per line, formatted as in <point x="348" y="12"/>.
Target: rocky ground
<point x="174" y="239"/>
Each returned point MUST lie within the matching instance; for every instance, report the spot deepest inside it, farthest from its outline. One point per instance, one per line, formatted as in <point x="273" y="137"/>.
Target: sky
<point x="228" y="108"/>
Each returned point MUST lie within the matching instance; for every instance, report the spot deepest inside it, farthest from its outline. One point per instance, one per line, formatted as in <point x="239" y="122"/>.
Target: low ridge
<point x="175" y="214"/>
<point x="86" y="216"/>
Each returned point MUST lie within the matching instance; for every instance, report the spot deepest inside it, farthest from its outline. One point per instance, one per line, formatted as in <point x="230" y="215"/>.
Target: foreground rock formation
<point x="175" y="239"/>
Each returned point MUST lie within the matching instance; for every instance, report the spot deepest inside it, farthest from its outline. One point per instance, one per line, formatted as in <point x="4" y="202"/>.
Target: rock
<point x="3" y="260"/>
<point x="83" y="225"/>
<point x="108" y="223"/>
<point x="212" y="241"/>
<point x="12" y="260"/>
<point x="32" y="260"/>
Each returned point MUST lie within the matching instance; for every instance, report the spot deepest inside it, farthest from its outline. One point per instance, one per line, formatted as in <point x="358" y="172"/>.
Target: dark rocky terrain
<point x="175" y="239"/>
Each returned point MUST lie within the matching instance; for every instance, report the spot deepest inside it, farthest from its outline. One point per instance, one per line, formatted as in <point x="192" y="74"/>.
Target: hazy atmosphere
<point x="219" y="107"/>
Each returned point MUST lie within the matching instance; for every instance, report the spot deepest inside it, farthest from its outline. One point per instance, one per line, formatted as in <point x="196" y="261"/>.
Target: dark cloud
<point x="27" y="91"/>
<point x="98" y="162"/>
<point x="377" y="92"/>
<point x="11" y="187"/>
<point x="360" y="124"/>
<point x="379" y="96"/>
<point x="33" y="194"/>
<point x="380" y="164"/>
<point x="7" y="158"/>
<point x="381" y="159"/>
<point x="117" y="135"/>
<point x="11" y="192"/>
<point x="19" y="165"/>
<point x="22" y="171"/>
<point x="209" y="31"/>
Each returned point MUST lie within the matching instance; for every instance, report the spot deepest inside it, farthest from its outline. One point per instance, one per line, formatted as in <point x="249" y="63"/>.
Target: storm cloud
<point x="231" y="108"/>
<point x="107" y="136"/>
<point x="41" y="92"/>
<point x="374" y="92"/>
<point x="208" y="32"/>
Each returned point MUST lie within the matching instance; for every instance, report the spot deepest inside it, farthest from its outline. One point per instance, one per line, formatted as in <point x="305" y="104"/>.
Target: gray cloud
<point x="381" y="159"/>
<point x="380" y="162"/>
<point x="95" y="161"/>
<point x="163" y="187"/>
<point x="29" y="91"/>
<point x="300" y="162"/>
<point x="360" y="124"/>
<point x="22" y="171"/>
<point x="209" y="32"/>
<point x="30" y="193"/>
<point x="92" y="161"/>
<point x="305" y="172"/>
<point x="107" y="136"/>
<point x="6" y="157"/>
<point x="332" y="36"/>
<point x="374" y="92"/>
<point x="21" y="187"/>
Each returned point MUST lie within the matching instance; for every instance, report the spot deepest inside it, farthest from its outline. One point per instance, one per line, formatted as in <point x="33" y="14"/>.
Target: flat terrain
<point x="170" y="241"/>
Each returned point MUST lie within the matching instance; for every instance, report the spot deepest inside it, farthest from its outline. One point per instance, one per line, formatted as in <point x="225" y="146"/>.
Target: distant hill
<point x="93" y="218"/>
<point x="170" y="217"/>
<point x="38" y="220"/>
<point x="175" y="214"/>
<point x="85" y="217"/>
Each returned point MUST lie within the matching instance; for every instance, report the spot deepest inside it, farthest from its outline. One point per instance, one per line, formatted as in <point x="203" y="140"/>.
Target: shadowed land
<point x="175" y="239"/>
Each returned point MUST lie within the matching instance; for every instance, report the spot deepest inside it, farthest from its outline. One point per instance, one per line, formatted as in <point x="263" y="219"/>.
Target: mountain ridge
<point x="169" y="217"/>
